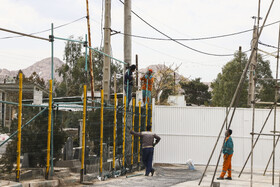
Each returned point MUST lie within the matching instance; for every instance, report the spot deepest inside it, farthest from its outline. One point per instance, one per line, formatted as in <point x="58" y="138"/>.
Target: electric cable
<point x="194" y="39"/>
<point x="267" y="45"/>
<point x="39" y="32"/>
<point x="188" y="47"/>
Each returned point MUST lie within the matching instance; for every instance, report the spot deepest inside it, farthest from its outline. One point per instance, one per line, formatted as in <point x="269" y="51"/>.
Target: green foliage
<point x="196" y="92"/>
<point x="34" y="140"/>
<point x="265" y="88"/>
<point x="226" y="82"/>
<point x="73" y="71"/>
<point x="34" y="135"/>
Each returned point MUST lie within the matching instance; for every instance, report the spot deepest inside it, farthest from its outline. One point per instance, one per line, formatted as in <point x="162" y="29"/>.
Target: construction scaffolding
<point x="104" y="126"/>
<point x="252" y="101"/>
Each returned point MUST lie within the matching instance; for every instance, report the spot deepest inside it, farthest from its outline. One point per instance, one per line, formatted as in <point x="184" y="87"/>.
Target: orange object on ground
<point x="226" y="165"/>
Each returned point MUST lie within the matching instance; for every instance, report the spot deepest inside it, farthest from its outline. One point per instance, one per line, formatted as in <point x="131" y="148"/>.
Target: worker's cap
<point x="150" y="70"/>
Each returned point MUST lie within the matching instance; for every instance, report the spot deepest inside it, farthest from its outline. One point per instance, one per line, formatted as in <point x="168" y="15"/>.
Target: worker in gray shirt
<point x="148" y="144"/>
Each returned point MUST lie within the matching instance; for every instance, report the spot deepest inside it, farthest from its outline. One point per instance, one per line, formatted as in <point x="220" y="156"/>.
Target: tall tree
<point x="226" y="82"/>
<point x="164" y="82"/>
<point x="196" y="92"/>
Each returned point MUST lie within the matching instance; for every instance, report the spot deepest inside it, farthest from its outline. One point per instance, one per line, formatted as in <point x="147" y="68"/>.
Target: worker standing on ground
<point x="228" y="152"/>
<point x="128" y="78"/>
<point x="147" y="85"/>
<point x="147" y="148"/>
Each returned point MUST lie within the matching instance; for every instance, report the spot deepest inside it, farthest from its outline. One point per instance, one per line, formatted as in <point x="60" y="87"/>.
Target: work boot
<point x="228" y="178"/>
<point x="152" y="172"/>
<point x="220" y="178"/>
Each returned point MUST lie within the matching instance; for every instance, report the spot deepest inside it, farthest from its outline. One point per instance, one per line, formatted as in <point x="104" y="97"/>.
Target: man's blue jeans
<point x="147" y="158"/>
<point x="128" y="93"/>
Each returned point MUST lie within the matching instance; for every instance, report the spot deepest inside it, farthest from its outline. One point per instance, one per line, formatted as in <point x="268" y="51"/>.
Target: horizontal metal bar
<point x="78" y="102"/>
<point x="70" y="40"/>
<point x="268" y="79"/>
<point x="266" y="103"/>
<point x="23" y="34"/>
<point x="108" y="56"/>
<point x="13" y="103"/>
<point x="63" y="106"/>
<point x="24" y="126"/>
<point x="30" y="105"/>
<point x="8" y="102"/>
<point x="265" y="134"/>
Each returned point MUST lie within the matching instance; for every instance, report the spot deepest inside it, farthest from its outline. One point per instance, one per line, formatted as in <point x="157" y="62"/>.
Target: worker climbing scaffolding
<point x="147" y="81"/>
<point x="128" y="82"/>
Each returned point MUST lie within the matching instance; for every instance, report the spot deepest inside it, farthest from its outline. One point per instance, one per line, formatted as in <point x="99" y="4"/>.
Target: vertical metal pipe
<point x="137" y="73"/>
<point x="19" y="128"/>
<point x="101" y="132"/>
<point x="49" y="131"/>
<point x="146" y="122"/>
<point x="124" y="128"/>
<point x="139" y="130"/>
<point x="151" y="116"/>
<point x="276" y="86"/>
<point x="253" y="97"/>
<point x="115" y="127"/>
<point x="275" y="112"/>
<point x="83" y="134"/>
<point x="133" y="118"/>
<point x="252" y="139"/>
<point x="52" y="51"/>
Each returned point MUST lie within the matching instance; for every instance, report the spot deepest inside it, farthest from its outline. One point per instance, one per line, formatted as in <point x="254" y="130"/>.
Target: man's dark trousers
<point x="148" y="159"/>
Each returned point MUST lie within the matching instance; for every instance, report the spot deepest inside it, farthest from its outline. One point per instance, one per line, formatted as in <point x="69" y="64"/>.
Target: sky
<point x="176" y="18"/>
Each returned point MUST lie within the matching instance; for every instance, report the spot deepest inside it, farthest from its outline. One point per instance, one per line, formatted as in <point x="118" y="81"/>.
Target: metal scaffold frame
<point x="52" y="104"/>
<point x="234" y="102"/>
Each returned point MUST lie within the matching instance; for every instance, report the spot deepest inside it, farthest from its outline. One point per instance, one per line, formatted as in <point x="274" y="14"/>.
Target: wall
<point x="191" y="133"/>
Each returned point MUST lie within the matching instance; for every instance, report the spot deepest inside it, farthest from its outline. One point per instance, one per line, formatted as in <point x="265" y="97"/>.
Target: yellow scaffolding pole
<point x="146" y="123"/>
<point x="49" y="131"/>
<point x="151" y="118"/>
<point x="133" y="117"/>
<point x="19" y="127"/>
<point x="115" y="126"/>
<point x="124" y="125"/>
<point x="139" y="129"/>
<point x="83" y="133"/>
<point x="101" y="132"/>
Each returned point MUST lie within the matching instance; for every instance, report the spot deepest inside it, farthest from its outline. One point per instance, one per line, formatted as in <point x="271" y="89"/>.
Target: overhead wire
<point x="186" y="46"/>
<point x="39" y="32"/>
<point x="267" y="45"/>
<point x="194" y="39"/>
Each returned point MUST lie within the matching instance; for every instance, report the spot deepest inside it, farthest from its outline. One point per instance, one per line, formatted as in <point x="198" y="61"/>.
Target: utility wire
<point x="188" y="47"/>
<point x="34" y="33"/>
<point x="267" y="45"/>
<point x="194" y="39"/>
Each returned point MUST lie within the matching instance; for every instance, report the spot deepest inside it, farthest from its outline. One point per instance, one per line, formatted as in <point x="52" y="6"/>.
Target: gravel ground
<point x="164" y="176"/>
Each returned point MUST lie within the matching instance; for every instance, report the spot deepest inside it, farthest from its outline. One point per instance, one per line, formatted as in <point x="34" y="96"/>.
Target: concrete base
<point x="4" y="183"/>
<point x="41" y="183"/>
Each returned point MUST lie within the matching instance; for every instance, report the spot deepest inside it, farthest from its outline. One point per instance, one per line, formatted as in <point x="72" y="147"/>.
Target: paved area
<point x="165" y="175"/>
<point x="244" y="181"/>
<point x="180" y="176"/>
